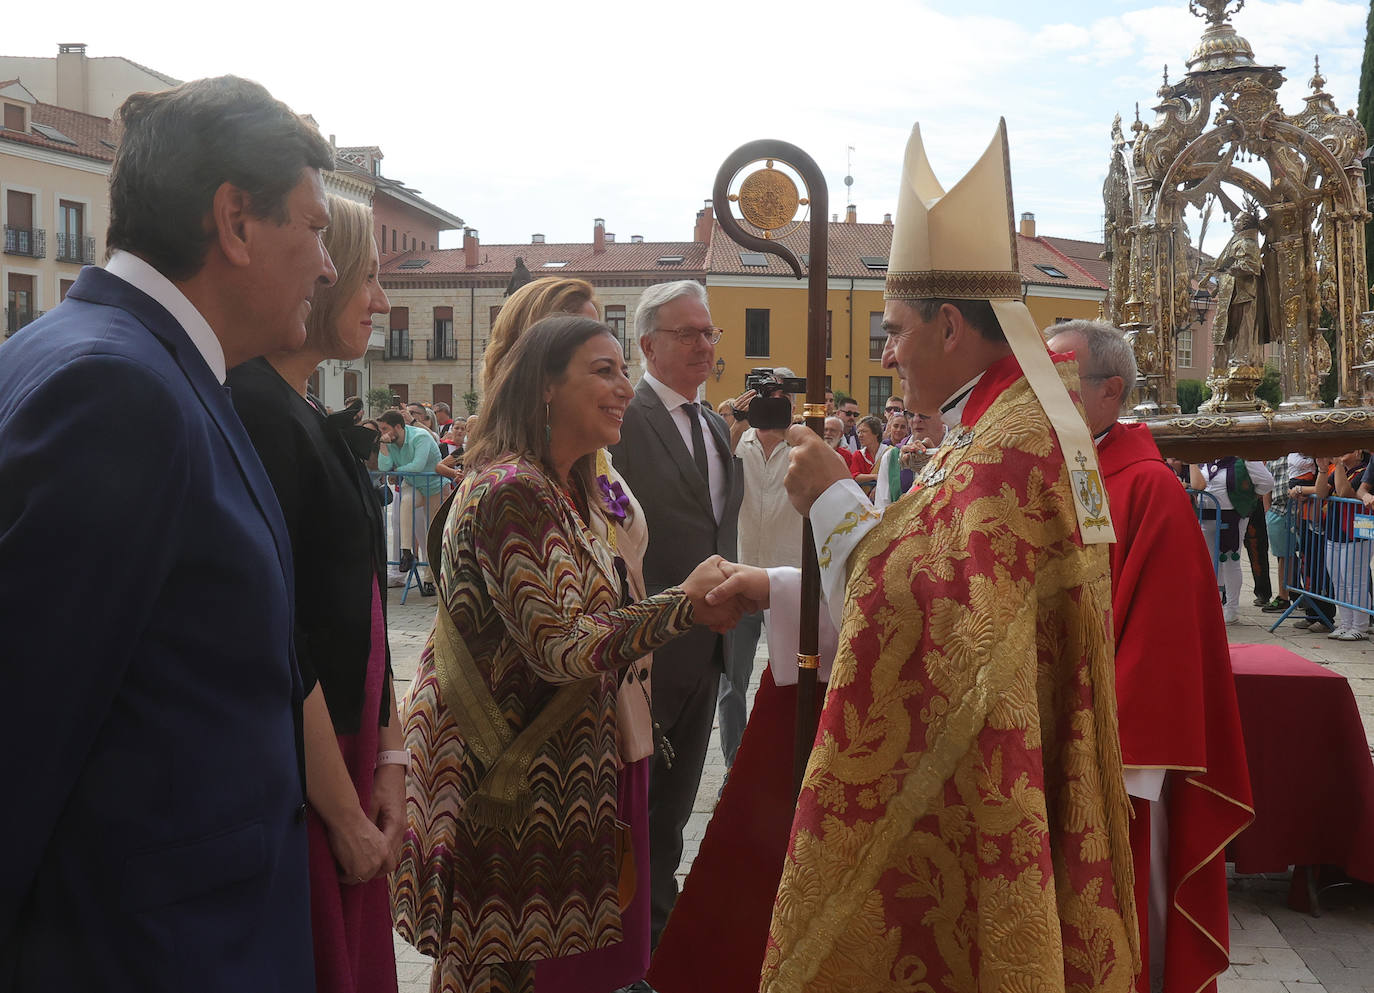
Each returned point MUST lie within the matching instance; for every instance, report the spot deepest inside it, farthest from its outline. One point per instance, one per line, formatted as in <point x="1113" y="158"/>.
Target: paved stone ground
<point x="1273" y="949"/>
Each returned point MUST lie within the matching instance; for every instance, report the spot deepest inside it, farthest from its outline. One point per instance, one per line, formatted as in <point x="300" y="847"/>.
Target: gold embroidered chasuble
<point x="963" y="821"/>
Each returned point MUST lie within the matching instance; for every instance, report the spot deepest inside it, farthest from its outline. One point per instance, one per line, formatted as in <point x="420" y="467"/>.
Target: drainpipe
<point x="851" y="337"/>
<point x="472" y="339"/>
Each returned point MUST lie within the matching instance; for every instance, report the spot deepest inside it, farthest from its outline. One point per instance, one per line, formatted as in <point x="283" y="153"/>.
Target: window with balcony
<point x="756" y="343"/>
<point x="72" y="243"/>
<point x="21" y="237"/>
<point x="879" y="389"/>
<point x="19" y="302"/>
<point x="398" y="335"/>
<point x="442" y="347"/>
<point x="877" y="337"/>
<point x="615" y="320"/>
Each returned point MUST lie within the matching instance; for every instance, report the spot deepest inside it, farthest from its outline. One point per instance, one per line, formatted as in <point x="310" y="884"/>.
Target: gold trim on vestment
<point x="1173" y="897"/>
<point x="993" y="673"/>
<point x="952" y="284"/>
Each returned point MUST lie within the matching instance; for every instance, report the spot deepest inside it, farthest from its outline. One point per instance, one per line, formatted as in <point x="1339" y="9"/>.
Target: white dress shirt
<point x="682" y="409"/>
<point x="770" y="529"/>
<point x="141" y="276"/>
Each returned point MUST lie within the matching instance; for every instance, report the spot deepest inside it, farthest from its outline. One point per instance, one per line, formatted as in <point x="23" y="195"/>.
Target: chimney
<point x="887" y="219"/>
<point x="610" y="237"/>
<point x="598" y="236"/>
<point x="636" y="239"/>
<point x="1028" y="224"/>
<point x="470" y="246"/>
<point x="72" y="81"/>
<point x="851" y="214"/>
<point x="706" y="222"/>
<point x="834" y="218"/>
<point x="536" y="239"/>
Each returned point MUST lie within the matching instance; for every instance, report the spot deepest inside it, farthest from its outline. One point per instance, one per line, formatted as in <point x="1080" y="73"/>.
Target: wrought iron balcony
<point x="32" y="242"/>
<point x="397" y="349"/>
<point x="75" y="248"/>
<point x="441" y="350"/>
<point x="16" y="318"/>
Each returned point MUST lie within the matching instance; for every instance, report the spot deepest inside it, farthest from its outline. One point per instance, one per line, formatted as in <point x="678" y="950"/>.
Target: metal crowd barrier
<point x="1208" y="511"/>
<point x="409" y="500"/>
<point x="1330" y="565"/>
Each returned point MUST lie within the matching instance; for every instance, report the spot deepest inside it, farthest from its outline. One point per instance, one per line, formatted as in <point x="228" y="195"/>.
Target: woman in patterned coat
<point x="510" y="855"/>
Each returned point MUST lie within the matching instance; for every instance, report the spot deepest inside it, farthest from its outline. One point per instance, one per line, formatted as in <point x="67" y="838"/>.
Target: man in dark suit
<point x="675" y="454"/>
<point x="156" y="839"/>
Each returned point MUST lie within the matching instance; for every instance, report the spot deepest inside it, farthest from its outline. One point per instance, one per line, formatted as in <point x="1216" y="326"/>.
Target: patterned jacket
<point x="535" y="596"/>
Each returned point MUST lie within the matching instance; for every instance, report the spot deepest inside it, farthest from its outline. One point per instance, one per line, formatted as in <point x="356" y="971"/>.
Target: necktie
<point x="698" y="442"/>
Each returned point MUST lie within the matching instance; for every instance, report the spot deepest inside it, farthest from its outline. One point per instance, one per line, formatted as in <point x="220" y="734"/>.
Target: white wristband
<point x="398" y="757"/>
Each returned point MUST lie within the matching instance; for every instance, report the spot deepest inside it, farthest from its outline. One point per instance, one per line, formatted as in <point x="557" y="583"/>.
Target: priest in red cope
<point x="1180" y="730"/>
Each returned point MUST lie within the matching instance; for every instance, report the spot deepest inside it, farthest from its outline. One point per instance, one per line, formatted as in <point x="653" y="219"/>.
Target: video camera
<point x="770" y="409"/>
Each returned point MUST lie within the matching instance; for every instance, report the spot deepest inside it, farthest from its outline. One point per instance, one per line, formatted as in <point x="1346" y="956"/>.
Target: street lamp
<point x="720" y="369"/>
<point x="1202" y="301"/>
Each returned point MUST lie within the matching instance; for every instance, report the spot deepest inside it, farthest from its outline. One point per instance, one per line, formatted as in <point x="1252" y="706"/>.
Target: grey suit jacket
<point x="682" y="526"/>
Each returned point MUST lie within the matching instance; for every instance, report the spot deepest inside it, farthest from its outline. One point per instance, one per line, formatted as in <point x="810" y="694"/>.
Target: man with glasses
<point x="849" y="410"/>
<point x="675" y="454"/>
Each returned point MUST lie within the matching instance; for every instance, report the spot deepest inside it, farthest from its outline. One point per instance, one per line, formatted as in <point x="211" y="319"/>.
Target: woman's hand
<point x="360" y="848"/>
<point x="389" y="809"/>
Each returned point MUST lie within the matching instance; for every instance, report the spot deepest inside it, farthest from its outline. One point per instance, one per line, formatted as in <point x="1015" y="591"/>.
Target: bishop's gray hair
<point x="646" y="311"/>
<point x="1109" y="353"/>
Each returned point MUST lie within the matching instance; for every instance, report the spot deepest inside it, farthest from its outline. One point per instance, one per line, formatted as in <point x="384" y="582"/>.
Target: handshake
<point x="722" y="592"/>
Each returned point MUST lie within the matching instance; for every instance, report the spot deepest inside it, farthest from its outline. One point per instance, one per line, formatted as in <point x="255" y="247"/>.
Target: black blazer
<point x="337" y="538"/>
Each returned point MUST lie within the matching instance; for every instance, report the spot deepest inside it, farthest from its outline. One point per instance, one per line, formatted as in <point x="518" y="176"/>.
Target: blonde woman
<point x="355" y="762"/>
<point x="530" y="303"/>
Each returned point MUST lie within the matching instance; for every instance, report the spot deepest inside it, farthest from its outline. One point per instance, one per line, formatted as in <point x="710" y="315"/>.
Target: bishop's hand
<point x="813" y="466"/>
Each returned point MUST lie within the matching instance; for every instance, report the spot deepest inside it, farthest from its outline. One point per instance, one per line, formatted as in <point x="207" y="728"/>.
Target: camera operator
<point x="770" y="529"/>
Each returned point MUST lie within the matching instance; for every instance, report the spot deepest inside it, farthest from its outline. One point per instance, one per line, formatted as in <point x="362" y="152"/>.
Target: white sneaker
<point x="1230" y="617"/>
<point x="1339" y="634"/>
<point x="1350" y="634"/>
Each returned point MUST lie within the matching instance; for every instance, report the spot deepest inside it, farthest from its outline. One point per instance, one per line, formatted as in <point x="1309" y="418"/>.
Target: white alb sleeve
<point x="783" y="620"/>
<point x="840" y="517"/>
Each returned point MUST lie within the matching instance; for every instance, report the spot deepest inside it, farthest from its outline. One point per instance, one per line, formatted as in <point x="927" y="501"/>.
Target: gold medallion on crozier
<point x="768" y="199"/>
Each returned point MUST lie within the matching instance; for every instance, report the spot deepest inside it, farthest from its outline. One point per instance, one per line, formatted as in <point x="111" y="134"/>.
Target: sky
<point x="539" y="116"/>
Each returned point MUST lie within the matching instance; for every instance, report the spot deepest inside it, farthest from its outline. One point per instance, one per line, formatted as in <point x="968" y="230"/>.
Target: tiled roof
<point x="1086" y="253"/>
<point x="619" y="257"/>
<point x="1034" y="252"/>
<point x="85" y="130"/>
<point x="850" y="244"/>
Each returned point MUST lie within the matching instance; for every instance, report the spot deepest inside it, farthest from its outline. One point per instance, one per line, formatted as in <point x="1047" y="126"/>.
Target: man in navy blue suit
<point x="154" y="837"/>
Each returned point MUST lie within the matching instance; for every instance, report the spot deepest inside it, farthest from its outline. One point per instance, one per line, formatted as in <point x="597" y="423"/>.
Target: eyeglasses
<point x="894" y="410"/>
<point x="850" y="413"/>
<point x="688" y="336"/>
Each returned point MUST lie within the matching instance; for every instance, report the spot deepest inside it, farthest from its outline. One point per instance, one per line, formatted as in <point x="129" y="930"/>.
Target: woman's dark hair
<point x="180" y="145"/>
<point x="513" y="419"/>
<point x="874" y="425"/>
